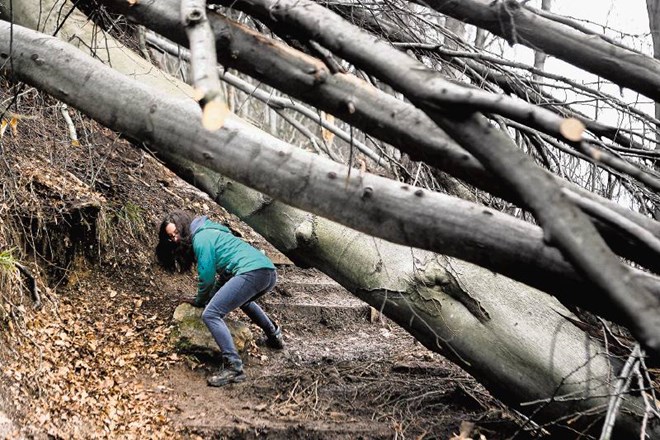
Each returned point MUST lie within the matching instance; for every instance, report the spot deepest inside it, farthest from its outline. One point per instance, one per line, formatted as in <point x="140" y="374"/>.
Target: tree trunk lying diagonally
<point x="589" y="52"/>
<point x="564" y="224"/>
<point x="378" y="114"/>
<point x="510" y="337"/>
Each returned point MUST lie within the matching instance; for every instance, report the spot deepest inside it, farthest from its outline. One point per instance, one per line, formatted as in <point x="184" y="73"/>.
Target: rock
<point x="191" y="335"/>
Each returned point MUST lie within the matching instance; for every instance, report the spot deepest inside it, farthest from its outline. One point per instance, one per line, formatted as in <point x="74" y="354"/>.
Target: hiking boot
<point x="226" y="376"/>
<point x="275" y="340"/>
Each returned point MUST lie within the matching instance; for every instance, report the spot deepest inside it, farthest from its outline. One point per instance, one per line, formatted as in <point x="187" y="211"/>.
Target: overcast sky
<point x="627" y="16"/>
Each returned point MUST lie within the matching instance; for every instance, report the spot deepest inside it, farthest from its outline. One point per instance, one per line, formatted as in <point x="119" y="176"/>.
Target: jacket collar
<point x="197" y="223"/>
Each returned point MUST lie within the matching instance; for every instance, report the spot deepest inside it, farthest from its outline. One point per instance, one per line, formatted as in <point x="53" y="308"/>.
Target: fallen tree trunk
<point x="453" y="109"/>
<point x="378" y="114"/>
<point x="590" y="52"/>
<point x="512" y="338"/>
<point x="69" y="24"/>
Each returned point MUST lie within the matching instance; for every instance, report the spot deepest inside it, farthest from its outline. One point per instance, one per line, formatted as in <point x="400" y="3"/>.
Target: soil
<point x="97" y="361"/>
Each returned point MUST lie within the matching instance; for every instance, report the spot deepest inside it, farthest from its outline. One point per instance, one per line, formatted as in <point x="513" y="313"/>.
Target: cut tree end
<point x="572" y="129"/>
<point x="214" y="114"/>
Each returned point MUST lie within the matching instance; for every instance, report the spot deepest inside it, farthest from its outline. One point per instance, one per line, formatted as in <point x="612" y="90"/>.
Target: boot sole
<point x="236" y="379"/>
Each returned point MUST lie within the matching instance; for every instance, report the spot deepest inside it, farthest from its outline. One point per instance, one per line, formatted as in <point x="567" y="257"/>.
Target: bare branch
<point x="350" y="99"/>
<point x="274" y="102"/>
<point x="621" y="386"/>
<point x="591" y="53"/>
<point x="69" y="123"/>
<point x="203" y="63"/>
<point x="641" y="235"/>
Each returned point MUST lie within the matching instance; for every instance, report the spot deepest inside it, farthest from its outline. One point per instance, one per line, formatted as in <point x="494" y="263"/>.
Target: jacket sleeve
<point x="205" y="253"/>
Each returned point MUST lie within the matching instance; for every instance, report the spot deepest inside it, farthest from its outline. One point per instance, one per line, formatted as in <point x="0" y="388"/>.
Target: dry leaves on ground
<point x="77" y="373"/>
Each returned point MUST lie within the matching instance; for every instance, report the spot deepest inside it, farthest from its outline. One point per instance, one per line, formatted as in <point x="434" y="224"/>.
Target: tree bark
<point x="203" y="63"/>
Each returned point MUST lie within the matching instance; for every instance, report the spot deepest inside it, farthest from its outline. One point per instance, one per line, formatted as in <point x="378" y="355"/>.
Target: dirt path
<point x="340" y="376"/>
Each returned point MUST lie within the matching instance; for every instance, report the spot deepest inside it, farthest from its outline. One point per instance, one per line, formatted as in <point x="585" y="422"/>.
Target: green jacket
<point x="217" y="250"/>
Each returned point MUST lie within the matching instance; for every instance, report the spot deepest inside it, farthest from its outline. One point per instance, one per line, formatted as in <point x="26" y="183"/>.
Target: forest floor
<point x="97" y="359"/>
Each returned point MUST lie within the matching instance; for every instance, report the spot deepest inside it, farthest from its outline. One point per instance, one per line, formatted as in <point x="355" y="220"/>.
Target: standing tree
<point x="540" y="56"/>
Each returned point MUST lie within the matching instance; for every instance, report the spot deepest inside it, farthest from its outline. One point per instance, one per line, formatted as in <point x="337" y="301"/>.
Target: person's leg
<point x="265" y="280"/>
<point x="259" y="317"/>
<point x="271" y="329"/>
<point x="232" y="295"/>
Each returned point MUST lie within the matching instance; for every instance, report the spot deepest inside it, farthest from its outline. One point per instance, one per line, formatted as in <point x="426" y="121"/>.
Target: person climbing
<point x="184" y="240"/>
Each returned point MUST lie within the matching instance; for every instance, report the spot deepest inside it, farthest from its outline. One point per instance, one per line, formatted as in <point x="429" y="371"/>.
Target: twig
<point x="69" y="123"/>
<point x="32" y="285"/>
<point x="647" y="404"/>
<point x="621" y="387"/>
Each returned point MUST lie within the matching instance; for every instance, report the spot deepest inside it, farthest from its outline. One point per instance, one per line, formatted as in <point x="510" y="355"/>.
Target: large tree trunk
<point x="564" y="224"/>
<point x="369" y="203"/>
<point x="510" y="337"/>
<point x="54" y="17"/>
<point x="653" y="8"/>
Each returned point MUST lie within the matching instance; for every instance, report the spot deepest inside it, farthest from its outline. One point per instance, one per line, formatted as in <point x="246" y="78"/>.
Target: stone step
<point x="321" y="294"/>
<point x="327" y="303"/>
<point x="329" y="316"/>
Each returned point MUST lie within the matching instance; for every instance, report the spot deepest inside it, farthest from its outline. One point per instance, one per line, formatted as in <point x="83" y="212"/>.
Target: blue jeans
<point x="240" y="291"/>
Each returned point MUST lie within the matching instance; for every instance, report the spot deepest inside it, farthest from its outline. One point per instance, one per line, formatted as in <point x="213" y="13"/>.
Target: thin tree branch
<point x="621" y="66"/>
<point x="203" y="63"/>
<point x="620" y="388"/>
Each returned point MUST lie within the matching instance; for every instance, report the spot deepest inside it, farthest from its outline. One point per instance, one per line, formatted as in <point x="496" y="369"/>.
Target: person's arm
<point x="205" y="254"/>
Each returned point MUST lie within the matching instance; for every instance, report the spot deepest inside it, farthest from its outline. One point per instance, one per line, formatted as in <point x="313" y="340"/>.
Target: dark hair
<point x="171" y="255"/>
